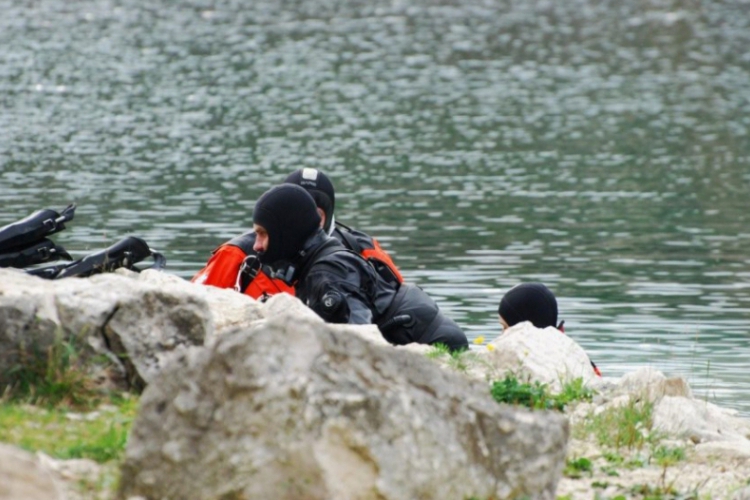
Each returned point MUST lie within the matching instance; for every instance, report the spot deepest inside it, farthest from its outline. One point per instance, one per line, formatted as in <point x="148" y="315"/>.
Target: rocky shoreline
<point x="242" y="398"/>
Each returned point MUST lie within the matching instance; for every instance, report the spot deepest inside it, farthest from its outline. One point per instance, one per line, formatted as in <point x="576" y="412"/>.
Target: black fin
<point x="125" y="253"/>
<point x="33" y="228"/>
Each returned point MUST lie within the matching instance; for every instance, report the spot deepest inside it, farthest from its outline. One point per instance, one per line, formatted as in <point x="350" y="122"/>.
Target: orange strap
<point x="378" y="253"/>
<point x="263" y="285"/>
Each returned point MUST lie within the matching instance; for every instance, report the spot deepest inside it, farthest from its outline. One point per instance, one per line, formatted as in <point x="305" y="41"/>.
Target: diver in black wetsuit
<point x="336" y="283"/>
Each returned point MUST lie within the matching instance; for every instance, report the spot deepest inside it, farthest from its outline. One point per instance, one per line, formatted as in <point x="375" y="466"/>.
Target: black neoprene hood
<point x="319" y="186"/>
<point x="529" y="302"/>
<point x="289" y="214"/>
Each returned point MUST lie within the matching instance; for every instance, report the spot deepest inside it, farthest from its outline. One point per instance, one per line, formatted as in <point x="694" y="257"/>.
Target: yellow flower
<point x="490" y="347"/>
<point x="479" y="340"/>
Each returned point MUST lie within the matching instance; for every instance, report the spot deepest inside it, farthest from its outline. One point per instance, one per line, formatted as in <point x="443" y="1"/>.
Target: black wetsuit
<point x="341" y="287"/>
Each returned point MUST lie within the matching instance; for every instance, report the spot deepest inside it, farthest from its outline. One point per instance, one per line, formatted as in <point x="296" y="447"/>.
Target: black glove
<point x="332" y="307"/>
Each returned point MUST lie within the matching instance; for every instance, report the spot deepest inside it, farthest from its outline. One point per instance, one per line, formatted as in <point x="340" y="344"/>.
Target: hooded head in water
<point x="529" y="302"/>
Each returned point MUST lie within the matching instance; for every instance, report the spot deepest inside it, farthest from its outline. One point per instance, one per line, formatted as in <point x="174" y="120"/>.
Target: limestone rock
<point x="283" y="303"/>
<point x="652" y="385"/>
<point x="151" y="325"/>
<point x="23" y="476"/>
<point x="698" y="420"/>
<point x="293" y="408"/>
<point x="725" y="450"/>
<point x="544" y="355"/>
<point x="228" y="308"/>
<point x="139" y="325"/>
<point x="676" y="412"/>
<point x="743" y="494"/>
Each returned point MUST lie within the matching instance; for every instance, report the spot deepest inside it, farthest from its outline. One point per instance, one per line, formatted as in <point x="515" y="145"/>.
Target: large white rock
<point x="293" y="408"/>
<point x="141" y="321"/>
<point x="24" y="477"/>
<point x="742" y="494"/>
<point x="141" y="325"/>
<point x="735" y="450"/>
<point x="228" y="308"/>
<point x="544" y="355"/>
<point x="283" y="303"/>
<point x="700" y="421"/>
<point x="231" y="310"/>
<point x="675" y="410"/>
<point x="651" y="384"/>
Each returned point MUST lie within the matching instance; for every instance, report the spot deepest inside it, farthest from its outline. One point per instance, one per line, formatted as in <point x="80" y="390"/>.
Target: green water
<point x="600" y="147"/>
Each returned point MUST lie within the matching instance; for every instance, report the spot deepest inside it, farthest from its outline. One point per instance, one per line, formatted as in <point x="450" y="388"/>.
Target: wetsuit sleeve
<point x="222" y="268"/>
<point x="335" y="305"/>
<point x="359" y="313"/>
<point x="335" y="296"/>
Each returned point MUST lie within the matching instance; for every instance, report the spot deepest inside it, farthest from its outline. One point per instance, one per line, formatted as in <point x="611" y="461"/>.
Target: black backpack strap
<point x="353" y="240"/>
<point x="347" y="238"/>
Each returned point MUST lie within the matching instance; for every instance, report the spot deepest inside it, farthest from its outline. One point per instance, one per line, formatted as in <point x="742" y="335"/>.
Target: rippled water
<point x="600" y="147"/>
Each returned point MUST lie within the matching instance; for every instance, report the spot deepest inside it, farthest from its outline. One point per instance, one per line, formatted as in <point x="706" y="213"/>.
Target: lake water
<point x="599" y="147"/>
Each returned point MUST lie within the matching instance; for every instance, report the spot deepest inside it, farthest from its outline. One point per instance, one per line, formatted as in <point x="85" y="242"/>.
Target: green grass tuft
<point x="537" y="395"/>
<point x="438" y="351"/>
<point x="628" y="426"/>
<point x="666" y="456"/>
<point x="458" y="360"/>
<point x="100" y="436"/>
<point x="579" y="467"/>
<point x="56" y="375"/>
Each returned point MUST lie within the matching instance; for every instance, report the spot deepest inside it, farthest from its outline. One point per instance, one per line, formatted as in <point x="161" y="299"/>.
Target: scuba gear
<point x="400" y="320"/>
<point x="283" y="271"/>
<point x="24" y="243"/>
<point x="34" y="227"/>
<point x="225" y="265"/>
<point x="403" y="313"/>
<point x="369" y="248"/>
<point x="125" y="253"/>
<point x="333" y="308"/>
<point x="47" y="272"/>
<point x="38" y="253"/>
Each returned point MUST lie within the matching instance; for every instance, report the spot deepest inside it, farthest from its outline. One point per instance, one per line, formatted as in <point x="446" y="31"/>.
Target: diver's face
<point x="503" y="323"/>
<point x="261" y="238"/>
